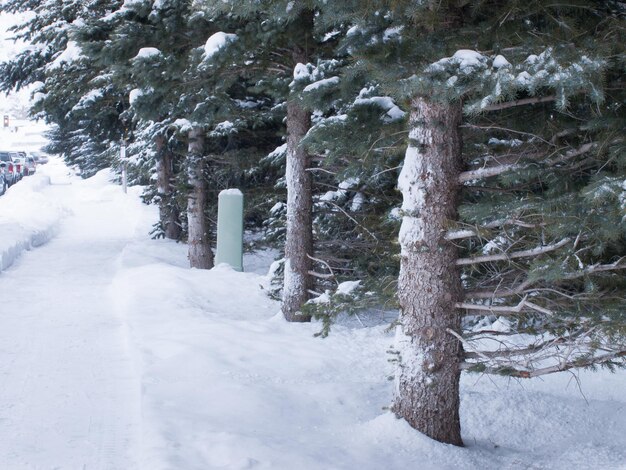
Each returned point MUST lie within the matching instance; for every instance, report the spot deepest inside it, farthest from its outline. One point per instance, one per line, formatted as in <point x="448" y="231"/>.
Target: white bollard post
<point x="230" y="229"/>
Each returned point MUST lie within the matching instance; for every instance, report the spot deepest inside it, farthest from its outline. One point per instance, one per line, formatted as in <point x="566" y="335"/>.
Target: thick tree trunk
<point x="299" y="238"/>
<point x="200" y="254"/>
<point x="169" y="214"/>
<point x="429" y="285"/>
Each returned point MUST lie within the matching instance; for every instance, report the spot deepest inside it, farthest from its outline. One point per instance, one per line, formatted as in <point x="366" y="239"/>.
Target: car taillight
<point x="10" y="167"/>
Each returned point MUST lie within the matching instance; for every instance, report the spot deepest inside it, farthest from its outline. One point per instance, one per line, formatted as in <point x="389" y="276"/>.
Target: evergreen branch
<point x="527" y="374"/>
<point x="375" y="175"/>
<point x="522" y="102"/>
<point x="516" y="254"/>
<point x="372" y="147"/>
<point x="491" y="333"/>
<point x="525" y="286"/>
<point x="499" y="169"/>
<point x="563" y="133"/>
<point x="573" y="153"/>
<point x="563" y="294"/>
<point x="514" y="351"/>
<point x="353" y="220"/>
<point x="505" y="129"/>
<point x="476" y="232"/>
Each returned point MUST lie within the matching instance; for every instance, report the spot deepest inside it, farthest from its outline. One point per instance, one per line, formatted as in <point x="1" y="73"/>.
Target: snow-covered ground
<point x="116" y="356"/>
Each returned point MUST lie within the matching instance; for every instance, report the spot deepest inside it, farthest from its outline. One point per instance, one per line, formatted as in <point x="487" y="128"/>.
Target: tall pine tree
<point x="531" y="175"/>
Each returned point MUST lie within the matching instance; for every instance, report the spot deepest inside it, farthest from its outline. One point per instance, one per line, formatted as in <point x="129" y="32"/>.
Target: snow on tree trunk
<point x="427" y="381"/>
<point x="200" y="254"/>
<point x="299" y="237"/>
<point x="168" y="212"/>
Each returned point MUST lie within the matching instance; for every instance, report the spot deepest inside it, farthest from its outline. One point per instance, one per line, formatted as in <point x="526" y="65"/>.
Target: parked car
<point x="11" y="175"/>
<point x="26" y="165"/>
<point x="3" y="182"/>
<point x="40" y="158"/>
<point x="20" y="163"/>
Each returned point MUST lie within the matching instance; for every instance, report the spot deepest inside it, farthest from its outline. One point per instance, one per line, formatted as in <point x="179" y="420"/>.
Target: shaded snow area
<point x="115" y="356"/>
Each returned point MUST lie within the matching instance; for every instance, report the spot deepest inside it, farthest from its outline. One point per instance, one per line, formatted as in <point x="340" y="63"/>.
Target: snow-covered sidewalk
<point x="69" y="396"/>
<point x="115" y="356"/>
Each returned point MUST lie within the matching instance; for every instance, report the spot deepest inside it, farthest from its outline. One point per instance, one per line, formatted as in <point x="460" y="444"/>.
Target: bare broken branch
<point x="466" y="344"/>
<point x="322" y="276"/>
<point x="523" y="286"/>
<point x="516" y="254"/>
<point x="352" y="219"/>
<point x="499" y="169"/>
<point x="522" y="102"/>
<point x="486" y="172"/>
<point x="527" y="374"/>
<point x="524" y="304"/>
<point x="476" y="231"/>
<point x="512" y="352"/>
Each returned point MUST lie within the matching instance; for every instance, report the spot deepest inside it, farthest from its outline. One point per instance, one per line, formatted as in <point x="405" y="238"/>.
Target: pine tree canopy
<point x="540" y="223"/>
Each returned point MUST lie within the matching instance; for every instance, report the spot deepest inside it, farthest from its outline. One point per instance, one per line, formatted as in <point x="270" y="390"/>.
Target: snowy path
<point x="69" y="398"/>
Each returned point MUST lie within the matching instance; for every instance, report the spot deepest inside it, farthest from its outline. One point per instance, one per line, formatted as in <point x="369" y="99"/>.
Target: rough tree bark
<point x="169" y="214"/>
<point x="299" y="237"/>
<point x="429" y="285"/>
<point x="200" y="254"/>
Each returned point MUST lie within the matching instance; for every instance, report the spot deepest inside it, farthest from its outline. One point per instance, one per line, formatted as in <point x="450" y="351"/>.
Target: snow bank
<point x="227" y="383"/>
<point x="27" y="218"/>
